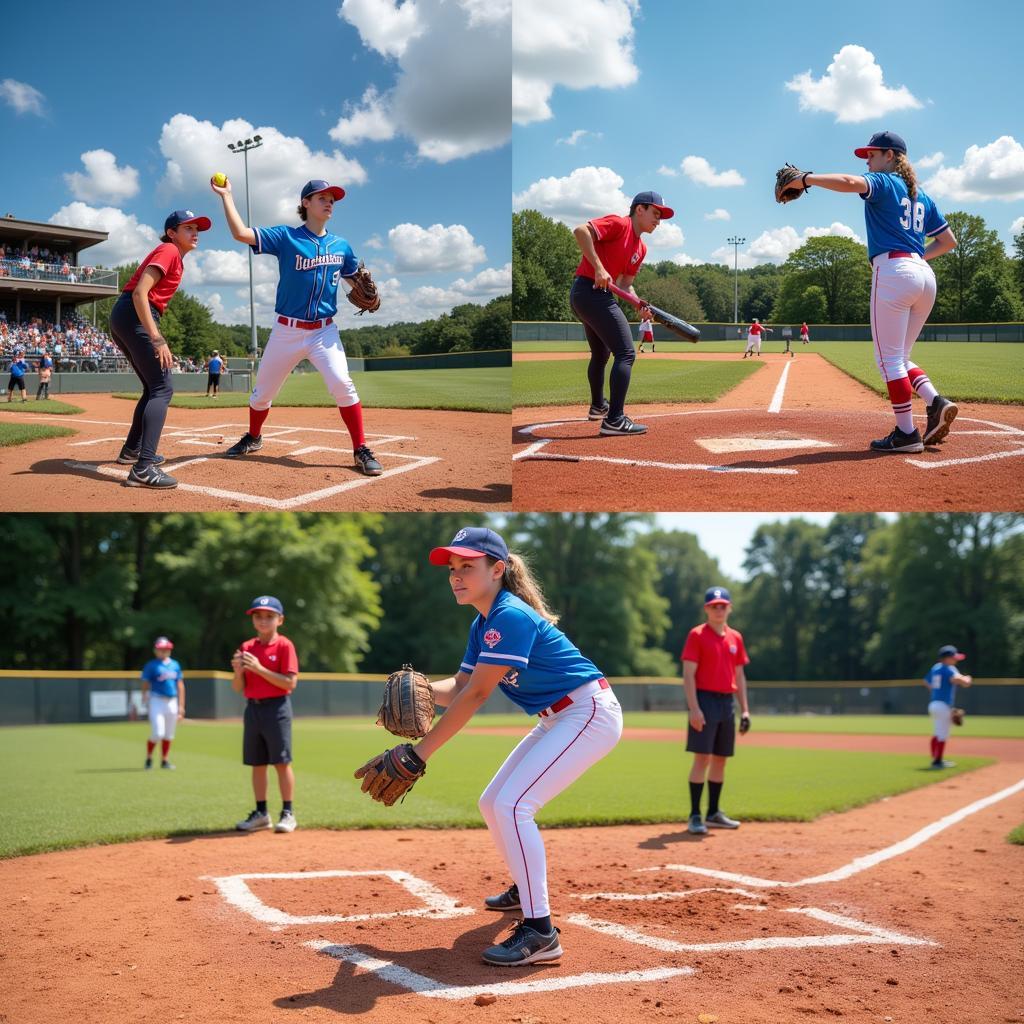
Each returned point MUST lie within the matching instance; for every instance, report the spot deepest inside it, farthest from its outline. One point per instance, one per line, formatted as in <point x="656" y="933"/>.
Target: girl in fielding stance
<point x="900" y="218"/>
<point x="514" y="645"/>
<point x="135" y="328"/>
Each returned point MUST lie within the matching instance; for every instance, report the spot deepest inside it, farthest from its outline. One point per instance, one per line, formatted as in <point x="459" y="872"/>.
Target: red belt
<point x="901" y="255"/>
<point x="305" y="325"/>
<point x="561" y="705"/>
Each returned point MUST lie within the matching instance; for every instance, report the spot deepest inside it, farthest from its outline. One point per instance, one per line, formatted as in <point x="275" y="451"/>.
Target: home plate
<point x="768" y="443"/>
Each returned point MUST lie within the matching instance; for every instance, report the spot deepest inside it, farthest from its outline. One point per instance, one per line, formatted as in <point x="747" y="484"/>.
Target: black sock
<point x="286" y="805"/>
<point x="714" y="792"/>
<point x="261" y="806"/>
<point x="696" y="788"/>
<point x="539" y="924"/>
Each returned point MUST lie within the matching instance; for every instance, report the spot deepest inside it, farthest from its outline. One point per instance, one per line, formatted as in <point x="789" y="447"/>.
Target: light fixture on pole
<point x="243" y="147"/>
<point x="736" y="242"/>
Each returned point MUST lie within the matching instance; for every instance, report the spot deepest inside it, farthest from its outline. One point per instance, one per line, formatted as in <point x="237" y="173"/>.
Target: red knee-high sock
<point x="256" y="418"/>
<point x="940" y="749"/>
<point x="165" y="747"/>
<point x="900" y="394"/>
<point x="352" y="415"/>
<point x="921" y="384"/>
<point x="150" y="744"/>
<point x="934" y="740"/>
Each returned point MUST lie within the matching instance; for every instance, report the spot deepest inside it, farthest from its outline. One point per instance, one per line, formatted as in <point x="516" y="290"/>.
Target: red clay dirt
<point x="735" y="455"/>
<point x="458" y="461"/>
<point x="139" y="931"/>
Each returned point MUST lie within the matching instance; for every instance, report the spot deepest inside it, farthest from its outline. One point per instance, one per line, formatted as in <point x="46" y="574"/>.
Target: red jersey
<point x="803" y="329"/>
<point x="168" y="259"/>
<point x="754" y="329"/>
<point x="279" y="657"/>
<point x="716" y="656"/>
<point x="620" y="248"/>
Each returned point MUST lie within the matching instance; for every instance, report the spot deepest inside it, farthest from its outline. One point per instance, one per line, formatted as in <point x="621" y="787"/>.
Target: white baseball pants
<point x="287" y="347"/>
<point x="942" y="719"/>
<point x="902" y="296"/>
<point x="163" y="717"/>
<point x="555" y="753"/>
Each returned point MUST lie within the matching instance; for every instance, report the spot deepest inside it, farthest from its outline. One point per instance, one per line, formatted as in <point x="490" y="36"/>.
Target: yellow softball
<point x="220" y="179"/>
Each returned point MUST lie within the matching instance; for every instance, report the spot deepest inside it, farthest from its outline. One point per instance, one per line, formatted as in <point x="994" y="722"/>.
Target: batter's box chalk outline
<point x="856" y="933"/>
<point x="235" y="890"/>
<point x="421" y="985"/>
<point x="280" y="504"/>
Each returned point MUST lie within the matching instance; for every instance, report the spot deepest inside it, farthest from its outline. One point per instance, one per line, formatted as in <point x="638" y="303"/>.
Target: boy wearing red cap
<point x="713" y="659"/>
<point x="163" y="689"/>
<point x="942" y="681"/>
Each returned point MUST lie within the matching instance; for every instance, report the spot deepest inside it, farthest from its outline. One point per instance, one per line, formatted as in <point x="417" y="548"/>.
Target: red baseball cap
<point x="161" y="642"/>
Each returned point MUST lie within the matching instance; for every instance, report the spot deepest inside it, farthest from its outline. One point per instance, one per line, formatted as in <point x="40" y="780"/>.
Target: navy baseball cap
<point x="653" y="199"/>
<point x="319" y="185"/>
<point x="180" y="217"/>
<point x="882" y="140"/>
<point x="162" y="641"/>
<point x="717" y="595"/>
<point x="472" y="542"/>
<point x="949" y="651"/>
<point x="266" y="604"/>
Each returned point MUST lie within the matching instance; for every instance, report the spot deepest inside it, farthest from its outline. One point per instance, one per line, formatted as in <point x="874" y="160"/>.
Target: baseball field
<point x="853" y="862"/>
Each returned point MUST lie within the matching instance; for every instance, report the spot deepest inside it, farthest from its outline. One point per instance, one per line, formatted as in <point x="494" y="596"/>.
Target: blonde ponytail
<point x="902" y="166"/>
<point x="519" y="580"/>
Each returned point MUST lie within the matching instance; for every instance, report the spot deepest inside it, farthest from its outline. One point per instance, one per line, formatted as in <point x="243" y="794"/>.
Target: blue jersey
<point x="310" y="268"/>
<point x="215" y="364"/>
<point x="940" y="682"/>
<point x="19" y="368"/>
<point x="163" y="676"/>
<point x="894" y="222"/>
<point x="545" y="664"/>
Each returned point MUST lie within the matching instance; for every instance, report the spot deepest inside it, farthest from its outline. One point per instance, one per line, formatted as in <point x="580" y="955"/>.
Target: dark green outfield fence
<point x="59" y="697"/>
<point x="523" y="330"/>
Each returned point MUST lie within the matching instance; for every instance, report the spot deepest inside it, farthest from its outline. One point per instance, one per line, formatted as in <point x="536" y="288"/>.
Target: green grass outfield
<point x="75" y="785"/>
<point x="564" y="381"/>
<point x="477" y="389"/>
<point x="663" y="346"/>
<point x="52" y="407"/>
<point x="12" y="434"/>
<point x="1017" y="836"/>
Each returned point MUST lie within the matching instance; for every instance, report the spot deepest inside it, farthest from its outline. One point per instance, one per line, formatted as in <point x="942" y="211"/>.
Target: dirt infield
<point x="433" y="461"/>
<point x="906" y="910"/>
<point x="793" y="436"/>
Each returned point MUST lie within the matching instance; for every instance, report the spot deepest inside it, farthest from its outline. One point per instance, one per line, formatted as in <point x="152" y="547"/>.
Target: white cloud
<point x="487" y="285"/>
<point x="668" y="172"/>
<point x="579" y="44"/>
<point x="686" y="261"/>
<point x="437" y="248"/>
<point x="587" y="192"/>
<point x="852" y="88"/>
<point x="577" y="136"/>
<point x="927" y="162"/>
<point x="1017" y="226"/>
<point x="214" y="302"/>
<point x="995" y="171"/>
<point x="665" y="236"/>
<point x="373" y="242"/>
<point x="775" y="245"/>
<point x="277" y="170"/>
<point x="370" y="122"/>
<point x="103" y="180"/>
<point x="451" y="95"/>
<point x="129" y="240"/>
<point x="227" y="266"/>
<point x="24" y="98"/>
<point x="718" y="214"/>
<point x="697" y="169"/>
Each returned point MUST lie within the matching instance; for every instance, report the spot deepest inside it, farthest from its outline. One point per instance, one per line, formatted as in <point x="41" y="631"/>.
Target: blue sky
<point x="377" y="97"/>
<point x="614" y="95"/>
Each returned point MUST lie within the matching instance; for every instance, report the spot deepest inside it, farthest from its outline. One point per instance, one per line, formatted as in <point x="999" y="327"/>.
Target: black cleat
<point x="598" y="412"/>
<point x="507" y="900"/>
<point x="623" y="425"/>
<point x="941" y="414"/>
<point x="898" y="443"/>
<point x="150" y="476"/>
<point x="129" y="456"/>
<point x="366" y="462"/>
<point x="526" y="946"/>
<point x="245" y="445"/>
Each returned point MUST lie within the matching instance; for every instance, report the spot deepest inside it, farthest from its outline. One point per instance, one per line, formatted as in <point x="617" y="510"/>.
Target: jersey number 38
<point x="915" y="210"/>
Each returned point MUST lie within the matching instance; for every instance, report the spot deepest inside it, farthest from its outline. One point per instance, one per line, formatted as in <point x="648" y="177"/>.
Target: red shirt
<point x="279" y="657"/>
<point x="620" y="248"/>
<point x="754" y="329"/>
<point x="716" y="657"/>
<point x="168" y="259"/>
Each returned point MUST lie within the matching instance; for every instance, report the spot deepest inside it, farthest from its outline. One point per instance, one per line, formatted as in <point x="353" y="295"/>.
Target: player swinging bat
<point x="677" y="326"/>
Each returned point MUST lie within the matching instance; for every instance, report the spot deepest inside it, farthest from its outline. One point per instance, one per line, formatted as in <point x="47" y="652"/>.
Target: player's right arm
<point x="446" y="690"/>
<point x="140" y="300"/>
<point x="585" y="238"/>
<point x="238" y="680"/>
<point x="837" y="182"/>
<point x="690" y="686"/>
<point x="235" y="223"/>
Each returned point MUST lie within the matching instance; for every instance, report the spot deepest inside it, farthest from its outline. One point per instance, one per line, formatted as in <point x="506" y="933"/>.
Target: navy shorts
<point x="267" y="738"/>
<point x="718" y="736"/>
<point x="212" y="378"/>
<point x="16" y="382"/>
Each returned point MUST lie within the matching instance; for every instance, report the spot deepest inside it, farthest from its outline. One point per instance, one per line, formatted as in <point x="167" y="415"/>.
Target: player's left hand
<point x="249" y="660"/>
<point x="646" y="313"/>
<point x="744" y="723"/>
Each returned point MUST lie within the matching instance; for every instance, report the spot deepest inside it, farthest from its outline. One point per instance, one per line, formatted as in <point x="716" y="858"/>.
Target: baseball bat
<point x="676" y="325"/>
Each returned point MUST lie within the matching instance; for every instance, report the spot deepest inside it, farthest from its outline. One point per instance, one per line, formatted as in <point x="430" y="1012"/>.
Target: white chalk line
<point x="858" y="864"/>
<point x="639" y="897"/>
<point x="433" y="989"/>
<point x="539" y="456"/>
<point x="921" y="464"/>
<point x="235" y="890"/>
<point x="775" y="405"/>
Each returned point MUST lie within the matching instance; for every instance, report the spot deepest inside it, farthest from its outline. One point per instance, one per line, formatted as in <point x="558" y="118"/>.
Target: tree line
<point x="826" y="281"/>
<point x="190" y="329"/>
<point x="863" y="597"/>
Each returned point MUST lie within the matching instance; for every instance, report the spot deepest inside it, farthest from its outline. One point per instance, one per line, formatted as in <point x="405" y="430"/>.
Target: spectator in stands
<point x="18" y="370"/>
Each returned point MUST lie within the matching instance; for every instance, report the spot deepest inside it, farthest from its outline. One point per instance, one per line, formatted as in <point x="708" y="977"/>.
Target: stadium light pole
<point x="243" y="147"/>
<point x="736" y="242"/>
